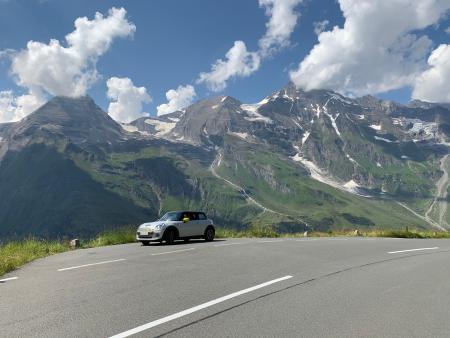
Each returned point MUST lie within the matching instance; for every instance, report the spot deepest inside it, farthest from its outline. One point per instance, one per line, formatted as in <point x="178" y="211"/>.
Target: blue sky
<point x="176" y="40"/>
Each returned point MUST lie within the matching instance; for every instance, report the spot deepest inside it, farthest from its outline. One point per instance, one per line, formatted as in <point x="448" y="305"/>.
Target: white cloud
<point x="319" y="26"/>
<point x="434" y="83"/>
<point x="239" y="62"/>
<point x="177" y="99"/>
<point x="14" y="108"/>
<point x="71" y="70"/>
<point x="127" y="99"/>
<point x="282" y="21"/>
<point x="65" y="70"/>
<point x="375" y="50"/>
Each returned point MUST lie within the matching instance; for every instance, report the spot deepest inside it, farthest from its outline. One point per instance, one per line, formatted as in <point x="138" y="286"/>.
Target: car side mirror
<point x="185" y="220"/>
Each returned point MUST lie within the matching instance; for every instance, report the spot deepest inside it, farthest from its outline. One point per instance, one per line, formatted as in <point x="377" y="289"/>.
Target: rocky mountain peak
<point x="78" y="119"/>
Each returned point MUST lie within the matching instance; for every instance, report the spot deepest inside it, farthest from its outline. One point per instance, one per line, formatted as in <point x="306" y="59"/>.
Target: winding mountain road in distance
<point x="311" y="287"/>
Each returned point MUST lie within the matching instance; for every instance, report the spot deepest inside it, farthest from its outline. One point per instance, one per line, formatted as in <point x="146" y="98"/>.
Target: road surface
<point x="328" y="287"/>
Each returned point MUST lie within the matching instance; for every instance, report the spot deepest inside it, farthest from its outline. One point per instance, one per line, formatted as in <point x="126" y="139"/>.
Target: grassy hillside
<point x="282" y="185"/>
<point x="64" y="191"/>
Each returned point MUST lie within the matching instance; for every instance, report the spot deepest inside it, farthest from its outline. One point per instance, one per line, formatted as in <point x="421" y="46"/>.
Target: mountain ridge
<point x="297" y="160"/>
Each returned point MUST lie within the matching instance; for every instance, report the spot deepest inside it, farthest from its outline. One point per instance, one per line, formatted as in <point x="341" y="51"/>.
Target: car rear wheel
<point x="209" y="234"/>
<point x="169" y="237"/>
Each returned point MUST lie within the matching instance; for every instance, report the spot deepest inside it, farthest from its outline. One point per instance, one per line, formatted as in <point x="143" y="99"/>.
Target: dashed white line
<point x="170" y="252"/>
<point x="197" y="308"/>
<point x="419" y="249"/>
<point x="8" y="279"/>
<point x="91" y="264"/>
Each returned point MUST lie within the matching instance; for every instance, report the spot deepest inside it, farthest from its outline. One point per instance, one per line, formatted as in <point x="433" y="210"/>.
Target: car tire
<point x="209" y="234"/>
<point x="169" y="237"/>
<point x="145" y="243"/>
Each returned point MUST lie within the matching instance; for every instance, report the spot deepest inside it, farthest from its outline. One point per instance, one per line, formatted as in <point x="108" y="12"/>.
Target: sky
<point x="138" y="58"/>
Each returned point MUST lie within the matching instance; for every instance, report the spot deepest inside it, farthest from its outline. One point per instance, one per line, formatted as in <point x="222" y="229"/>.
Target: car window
<point x="201" y="216"/>
<point x="194" y="216"/>
<point x="171" y="216"/>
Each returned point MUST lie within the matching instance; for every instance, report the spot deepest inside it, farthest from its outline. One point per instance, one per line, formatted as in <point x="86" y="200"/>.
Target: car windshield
<point x="171" y="216"/>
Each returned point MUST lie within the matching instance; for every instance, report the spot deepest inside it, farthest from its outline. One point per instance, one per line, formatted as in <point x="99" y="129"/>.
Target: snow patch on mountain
<point x="321" y="176"/>
<point x="253" y="114"/>
<point x="375" y="127"/>
<point x="243" y="136"/>
<point x="161" y="127"/>
<point x="382" y="139"/>
<point x="305" y="137"/>
<point x="129" y="128"/>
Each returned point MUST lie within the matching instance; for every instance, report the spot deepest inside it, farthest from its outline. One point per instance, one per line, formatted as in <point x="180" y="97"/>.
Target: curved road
<point x="328" y="287"/>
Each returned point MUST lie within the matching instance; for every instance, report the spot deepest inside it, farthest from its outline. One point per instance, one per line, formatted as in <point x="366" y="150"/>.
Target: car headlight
<point x="159" y="226"/>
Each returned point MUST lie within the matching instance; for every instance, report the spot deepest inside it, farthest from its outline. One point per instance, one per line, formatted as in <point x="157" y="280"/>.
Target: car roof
<point x="202" y="212"/>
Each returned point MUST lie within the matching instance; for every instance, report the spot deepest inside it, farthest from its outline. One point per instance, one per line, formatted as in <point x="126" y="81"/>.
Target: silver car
<point x="175" y="225"/>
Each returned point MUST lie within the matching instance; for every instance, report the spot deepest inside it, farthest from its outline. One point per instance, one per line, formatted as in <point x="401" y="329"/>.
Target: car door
<point x="184" y="228"/>
<point x="203" y="222"/>
<point x="194" y="226"/>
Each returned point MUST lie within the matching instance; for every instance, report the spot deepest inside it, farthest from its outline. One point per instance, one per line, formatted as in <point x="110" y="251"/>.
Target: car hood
<point x="152" y="225"/>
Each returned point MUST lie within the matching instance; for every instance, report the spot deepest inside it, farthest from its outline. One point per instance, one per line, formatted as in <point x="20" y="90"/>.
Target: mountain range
<point x="296" y="160"/>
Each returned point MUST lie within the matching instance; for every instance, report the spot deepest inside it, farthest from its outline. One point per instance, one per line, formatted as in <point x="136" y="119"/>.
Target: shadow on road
<point x="192" y="241"/>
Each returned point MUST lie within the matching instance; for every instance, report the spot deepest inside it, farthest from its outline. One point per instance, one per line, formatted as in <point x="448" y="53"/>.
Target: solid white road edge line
<point x="196" y="308"/>
<point x="8" y="279"/>
<point x="420" y="249"/>
<point x="98" y="263"/>
<point x="169" y="252"/>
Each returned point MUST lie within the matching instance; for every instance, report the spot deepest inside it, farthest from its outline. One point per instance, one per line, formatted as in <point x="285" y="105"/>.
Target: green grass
<point x="269" y="231"/>
<point x="15" y="254"/>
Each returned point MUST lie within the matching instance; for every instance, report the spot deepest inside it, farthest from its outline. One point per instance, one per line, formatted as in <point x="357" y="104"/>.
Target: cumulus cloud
<point x="239" y="62"/>
<point x="127" y="99"/>
<point x="14" y="108"/>
<point x="177" y="99"/>
<point x="376" y="49"/>
<point x="281" y="24"/>
<point x="71" y="70"/>
<point x="319" y="26"/>
<point x="434" y="83"/>
<point x="68" y="70"/>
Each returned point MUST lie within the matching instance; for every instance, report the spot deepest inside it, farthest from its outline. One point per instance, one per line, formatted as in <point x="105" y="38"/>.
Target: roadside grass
<point x="269" y="231"/>
<point x="17" y="253"/>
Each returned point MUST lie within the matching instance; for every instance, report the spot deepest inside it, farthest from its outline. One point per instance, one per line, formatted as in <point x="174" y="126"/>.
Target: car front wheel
<point x="169" y="237"/>
<point x="209" y="234"/>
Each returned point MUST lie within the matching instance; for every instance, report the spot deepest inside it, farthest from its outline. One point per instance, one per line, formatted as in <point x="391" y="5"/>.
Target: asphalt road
<point x="331" y="287"/>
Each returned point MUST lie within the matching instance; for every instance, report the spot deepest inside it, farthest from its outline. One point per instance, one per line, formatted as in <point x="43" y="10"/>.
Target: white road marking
<point x="273" y="241"/>
<point x="98" y="263"/>
<point x="226" y="244"/>
<point x="8" y="279"/>
<point x="169" y="252"/>
<point x="197" y="308"/>
<point x="420" y="249"/>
